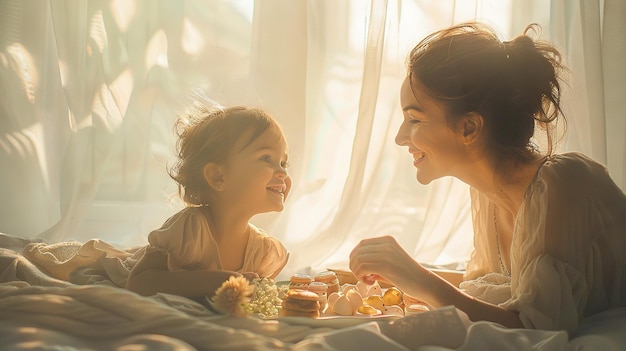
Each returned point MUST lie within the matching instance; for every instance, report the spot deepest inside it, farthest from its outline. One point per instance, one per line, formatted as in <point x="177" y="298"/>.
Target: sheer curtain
<point x="90" y="91"/>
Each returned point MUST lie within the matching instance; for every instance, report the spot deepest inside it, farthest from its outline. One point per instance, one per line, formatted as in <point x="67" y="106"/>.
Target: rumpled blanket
<point x="37" y="308"/>
<point x="94" y="262"/>
<point x="101" y="315"/>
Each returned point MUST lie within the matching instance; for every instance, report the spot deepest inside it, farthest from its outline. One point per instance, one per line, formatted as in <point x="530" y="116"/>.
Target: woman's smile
<point x="418" y="157"/>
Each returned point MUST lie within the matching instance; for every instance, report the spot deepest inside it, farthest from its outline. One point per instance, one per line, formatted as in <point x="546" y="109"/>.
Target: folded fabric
<point x="61" y="260"/>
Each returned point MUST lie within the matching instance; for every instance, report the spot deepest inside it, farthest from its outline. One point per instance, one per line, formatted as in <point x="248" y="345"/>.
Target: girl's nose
<point x="281" y="172"/>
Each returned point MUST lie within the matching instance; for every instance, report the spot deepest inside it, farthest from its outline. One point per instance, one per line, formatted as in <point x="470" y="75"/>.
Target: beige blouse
<point x="189" y="244"/>
<point x="185" y="238"/>
<point x="568" y="258"/>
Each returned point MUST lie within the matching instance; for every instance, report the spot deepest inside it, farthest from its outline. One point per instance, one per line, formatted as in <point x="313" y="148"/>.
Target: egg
<point x="332" y="298"/>
<point x="368" y="310"/>
<point x="347" y="287"/>
<point x="394" y="310"/>
<point x="362" y="288"/>
<point x="416" y="308"/>
<point x="374" y="289"/>
<point x="356" y="300"/>
<point x="375" y="301"/>
<point x="393" y="296"/>
<point x="343" y="306"/>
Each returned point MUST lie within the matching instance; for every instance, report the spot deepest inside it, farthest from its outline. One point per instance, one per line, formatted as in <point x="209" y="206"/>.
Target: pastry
<point x="330" y="279"/>
<point x="321" y="290"/>
<point x="300" y="281"/>
<point x="300" y="303"/>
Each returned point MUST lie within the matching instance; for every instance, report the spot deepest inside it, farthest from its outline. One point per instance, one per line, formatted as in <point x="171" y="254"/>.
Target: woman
<point x="549" y="230"/>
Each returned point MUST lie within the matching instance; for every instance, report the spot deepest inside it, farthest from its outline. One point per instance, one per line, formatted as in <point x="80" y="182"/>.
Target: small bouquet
<point x="233" y="297"/>
<point x="238" y="297"/>
<point x="266" y="301"/>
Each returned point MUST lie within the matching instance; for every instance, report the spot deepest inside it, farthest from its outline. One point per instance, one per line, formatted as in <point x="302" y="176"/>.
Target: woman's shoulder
<point x="572" y="176"/>
<point x="573" y="159"/>
<point x="573" y="167"/>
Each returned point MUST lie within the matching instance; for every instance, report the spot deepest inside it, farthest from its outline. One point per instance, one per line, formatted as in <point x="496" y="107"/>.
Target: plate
<point x="335" y="321"/>
<point x="282" y="283"/>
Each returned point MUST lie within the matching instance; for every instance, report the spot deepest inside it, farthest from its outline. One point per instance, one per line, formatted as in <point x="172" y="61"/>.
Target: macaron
<point x="300" y="303"/>
<point x="300" y="281"/>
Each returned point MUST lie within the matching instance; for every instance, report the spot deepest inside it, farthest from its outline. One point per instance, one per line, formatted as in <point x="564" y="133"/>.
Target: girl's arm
<point x="151" y="275"/>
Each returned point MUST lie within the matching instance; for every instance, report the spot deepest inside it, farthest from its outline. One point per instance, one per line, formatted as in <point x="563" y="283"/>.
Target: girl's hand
<point x="250" y="276"/>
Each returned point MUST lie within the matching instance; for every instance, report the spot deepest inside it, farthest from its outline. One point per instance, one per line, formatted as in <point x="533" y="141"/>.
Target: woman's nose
<point x="402" y="136"/>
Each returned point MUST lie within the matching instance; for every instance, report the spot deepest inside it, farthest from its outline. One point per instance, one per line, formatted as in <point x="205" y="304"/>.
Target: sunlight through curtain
<point x="91" y="89"/>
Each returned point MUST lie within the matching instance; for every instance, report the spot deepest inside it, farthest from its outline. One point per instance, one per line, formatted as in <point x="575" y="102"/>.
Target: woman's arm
<point x="383" y="259"/>
<point x="454" y="277"/>
<point x="151" y="275"/>
<point x="439" y="292"/>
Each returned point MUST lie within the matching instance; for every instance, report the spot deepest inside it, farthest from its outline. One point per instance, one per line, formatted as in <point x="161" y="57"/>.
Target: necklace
<point x="495" y="226"/>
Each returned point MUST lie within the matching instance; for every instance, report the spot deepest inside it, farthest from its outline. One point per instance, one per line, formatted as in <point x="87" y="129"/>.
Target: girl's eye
<point x="284" y="164"/>
<point x="266" y="158"/>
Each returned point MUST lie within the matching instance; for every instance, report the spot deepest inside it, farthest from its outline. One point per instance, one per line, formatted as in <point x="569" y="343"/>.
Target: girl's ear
<point x="214" y="176"/>
<point x="471" y="128"/>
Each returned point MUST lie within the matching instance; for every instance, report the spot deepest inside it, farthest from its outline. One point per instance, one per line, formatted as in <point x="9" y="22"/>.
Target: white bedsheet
<point x="38" y="312"/>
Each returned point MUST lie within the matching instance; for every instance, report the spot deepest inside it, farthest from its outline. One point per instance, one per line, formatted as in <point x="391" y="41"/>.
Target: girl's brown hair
<point x="209" y="135"/>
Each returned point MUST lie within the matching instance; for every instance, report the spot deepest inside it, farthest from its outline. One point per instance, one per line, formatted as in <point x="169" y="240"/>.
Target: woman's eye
<point x="414" y="120"/>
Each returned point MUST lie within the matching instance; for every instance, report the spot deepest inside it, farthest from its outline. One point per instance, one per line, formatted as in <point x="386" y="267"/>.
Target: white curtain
<point x="90" y="90"/>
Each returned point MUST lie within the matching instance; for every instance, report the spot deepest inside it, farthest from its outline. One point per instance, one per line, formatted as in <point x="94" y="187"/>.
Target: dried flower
<point x="233" y="297"/>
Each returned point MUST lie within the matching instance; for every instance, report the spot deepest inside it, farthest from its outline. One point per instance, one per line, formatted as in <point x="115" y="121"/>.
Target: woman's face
<point x="437" y="149"/>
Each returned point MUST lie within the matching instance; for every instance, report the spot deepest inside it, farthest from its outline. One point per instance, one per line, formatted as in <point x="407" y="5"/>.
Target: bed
<point x="40" y="312"/>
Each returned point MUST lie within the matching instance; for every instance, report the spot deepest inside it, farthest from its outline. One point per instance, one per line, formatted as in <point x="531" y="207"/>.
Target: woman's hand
<point x="383" y="259"/>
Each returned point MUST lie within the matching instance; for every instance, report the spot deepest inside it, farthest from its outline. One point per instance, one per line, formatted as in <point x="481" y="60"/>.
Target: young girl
<point x="549" y="229"/>
<point x="231" y="166"/>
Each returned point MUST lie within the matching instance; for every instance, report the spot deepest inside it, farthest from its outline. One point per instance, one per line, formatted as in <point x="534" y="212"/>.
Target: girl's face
<point x="256" y="177"/>
<point x="437" y="149"/>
